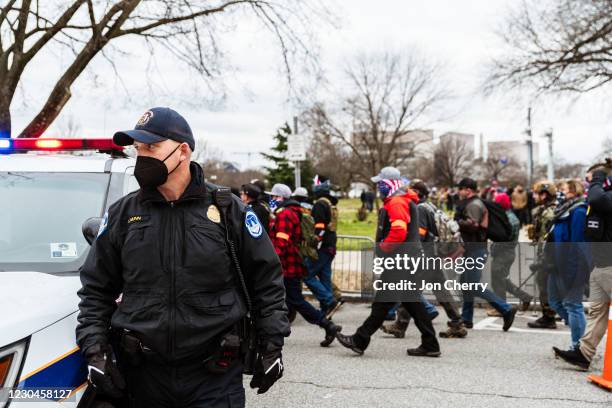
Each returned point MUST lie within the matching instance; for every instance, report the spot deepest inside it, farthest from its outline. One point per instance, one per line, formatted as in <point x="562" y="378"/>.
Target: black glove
<point x="268" y="368"/>
<point x="104" y="374"/>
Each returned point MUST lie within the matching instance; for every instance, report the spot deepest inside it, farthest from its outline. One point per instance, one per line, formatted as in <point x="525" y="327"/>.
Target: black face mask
<point x="151" y="172"/>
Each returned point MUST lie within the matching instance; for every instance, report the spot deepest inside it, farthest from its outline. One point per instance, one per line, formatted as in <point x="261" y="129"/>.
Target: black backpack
<point x="499" y="229"/>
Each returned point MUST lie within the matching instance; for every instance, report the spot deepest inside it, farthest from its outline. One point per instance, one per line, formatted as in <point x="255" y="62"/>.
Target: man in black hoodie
<point x="319" y="278"/>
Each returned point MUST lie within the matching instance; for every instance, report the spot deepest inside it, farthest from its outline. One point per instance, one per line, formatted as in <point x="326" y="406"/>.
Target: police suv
<point x="51" y="205"/>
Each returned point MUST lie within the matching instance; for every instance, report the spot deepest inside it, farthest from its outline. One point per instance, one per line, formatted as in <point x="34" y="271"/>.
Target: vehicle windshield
<point x="41" y="216"/>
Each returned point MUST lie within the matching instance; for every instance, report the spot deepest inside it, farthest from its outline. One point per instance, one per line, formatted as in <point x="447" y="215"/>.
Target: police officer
<point x="161" y="292"/>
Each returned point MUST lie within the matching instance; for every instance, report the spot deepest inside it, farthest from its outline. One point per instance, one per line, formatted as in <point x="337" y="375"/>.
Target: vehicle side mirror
<point x="90" y="228"/>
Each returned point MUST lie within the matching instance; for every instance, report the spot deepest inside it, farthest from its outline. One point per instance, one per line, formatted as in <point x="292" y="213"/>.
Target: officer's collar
<point x="196" y="189"/>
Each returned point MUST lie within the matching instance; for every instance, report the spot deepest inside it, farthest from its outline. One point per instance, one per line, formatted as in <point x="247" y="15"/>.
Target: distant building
<point x="414" y="150"/>
<point x="514" y="149"/>
<point x="418" y="142"/>
<point x="467" y="138"/>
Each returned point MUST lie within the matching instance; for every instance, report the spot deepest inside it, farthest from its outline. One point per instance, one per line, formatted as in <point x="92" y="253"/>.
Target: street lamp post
<point x="529" y="149"/>
<point x="550" y="169"/>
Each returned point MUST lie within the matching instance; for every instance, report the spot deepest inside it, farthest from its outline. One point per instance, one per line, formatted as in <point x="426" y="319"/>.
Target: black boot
<point x="349" y="343"/>
<point x="509" y="318"/>
<point x="330" y="332"/>
<point x="573" y="357"/>
<point x="423" y="352"/>
<point x="543" y="323"/>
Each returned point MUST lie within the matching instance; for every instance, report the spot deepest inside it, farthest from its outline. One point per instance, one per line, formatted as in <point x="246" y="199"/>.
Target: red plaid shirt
<point x="286" y="236"/>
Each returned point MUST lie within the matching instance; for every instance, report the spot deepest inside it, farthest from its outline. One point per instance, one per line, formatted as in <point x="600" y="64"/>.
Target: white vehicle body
<point x="40" y="306"/>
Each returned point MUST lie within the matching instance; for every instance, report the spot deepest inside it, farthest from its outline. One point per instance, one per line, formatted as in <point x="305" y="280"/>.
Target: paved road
<point x="489" y="368"/>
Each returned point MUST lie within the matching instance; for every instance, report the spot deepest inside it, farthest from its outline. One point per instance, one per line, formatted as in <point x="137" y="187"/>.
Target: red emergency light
<point x="34" y="144"/>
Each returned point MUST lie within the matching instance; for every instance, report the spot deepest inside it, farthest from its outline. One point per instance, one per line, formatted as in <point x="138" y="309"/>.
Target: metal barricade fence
<point x="348" y="265"/>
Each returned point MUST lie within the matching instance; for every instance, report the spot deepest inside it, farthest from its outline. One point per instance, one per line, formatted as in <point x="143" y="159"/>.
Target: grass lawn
<point x="348" y="223"/>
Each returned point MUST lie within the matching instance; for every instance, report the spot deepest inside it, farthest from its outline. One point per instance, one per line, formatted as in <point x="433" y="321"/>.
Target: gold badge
<point x="213" y="214"/>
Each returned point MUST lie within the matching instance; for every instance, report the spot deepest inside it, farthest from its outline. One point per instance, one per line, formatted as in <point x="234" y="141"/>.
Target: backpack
<point x="309" y="242"/>
<point x="449" y="239"/>
<point x="333" y="224"/>
<point x="499" y="229"/>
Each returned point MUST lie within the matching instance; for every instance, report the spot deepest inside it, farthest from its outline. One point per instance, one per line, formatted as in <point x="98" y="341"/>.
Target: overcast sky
<point x="458" y="34"/>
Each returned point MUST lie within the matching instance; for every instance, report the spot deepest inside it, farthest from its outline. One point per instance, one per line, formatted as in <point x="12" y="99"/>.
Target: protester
<point x="519" y="203"/>
<point x="428" y="233"/>
<point x="319" y="277"/>
<point x="599" y="231"/>
<point x="473" y="218"/>
<point x="285" y="233"/>
<point x="572" y="260"/>
<point x="545" y="196"/>
<point x="503" y="255"/>
<point x="398" y="223"/>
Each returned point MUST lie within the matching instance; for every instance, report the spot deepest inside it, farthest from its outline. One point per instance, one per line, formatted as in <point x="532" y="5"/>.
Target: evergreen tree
<point x="282" y="171"/>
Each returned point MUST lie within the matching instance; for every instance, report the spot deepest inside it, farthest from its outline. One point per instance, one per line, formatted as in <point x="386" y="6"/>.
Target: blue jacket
<point x="573" y="262"/>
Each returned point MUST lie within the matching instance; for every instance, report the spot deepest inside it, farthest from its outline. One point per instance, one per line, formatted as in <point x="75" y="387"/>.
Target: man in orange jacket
<point x="398" y="229"/>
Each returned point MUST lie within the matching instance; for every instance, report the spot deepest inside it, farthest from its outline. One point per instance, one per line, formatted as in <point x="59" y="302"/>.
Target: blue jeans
<point x="319" y="279"/>
<point x="568" y="304"/>
<point x="473" y="275"/>
<point x="431" y="309"/>
<point x="295" y="300"/>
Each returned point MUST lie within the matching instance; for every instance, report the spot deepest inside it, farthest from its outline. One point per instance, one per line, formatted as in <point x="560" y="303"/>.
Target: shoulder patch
<point x="252" y="224"/>
<point x="103" y="224"/>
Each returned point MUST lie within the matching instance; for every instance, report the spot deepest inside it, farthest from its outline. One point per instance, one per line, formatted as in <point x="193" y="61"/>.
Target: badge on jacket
<point x="252" y="224"/>
<point x="213" y="214"/>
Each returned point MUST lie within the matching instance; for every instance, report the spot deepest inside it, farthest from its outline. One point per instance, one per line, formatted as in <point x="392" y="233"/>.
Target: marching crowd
<point x="181" y="328"/>
<point x="564" y="220"/>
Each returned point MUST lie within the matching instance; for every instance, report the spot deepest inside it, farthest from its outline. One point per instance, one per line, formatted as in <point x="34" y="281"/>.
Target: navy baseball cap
<point x="156" y="125"/>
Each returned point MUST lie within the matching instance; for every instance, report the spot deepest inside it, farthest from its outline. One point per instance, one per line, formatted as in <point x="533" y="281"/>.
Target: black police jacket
<point x="171" y="265"/>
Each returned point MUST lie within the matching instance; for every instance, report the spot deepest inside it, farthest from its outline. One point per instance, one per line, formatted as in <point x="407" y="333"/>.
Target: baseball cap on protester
<point x="156" y="125"/>
<point x="322" y="188"/>
<point x="468" y="183"/>
<point x="387" y="173"/>
<point x="420" y="187"/>
<point x="281" y="190"/>
<point x="300" y="192"/>
<point x="259" y="183"/>
<point x="251" y="190"/>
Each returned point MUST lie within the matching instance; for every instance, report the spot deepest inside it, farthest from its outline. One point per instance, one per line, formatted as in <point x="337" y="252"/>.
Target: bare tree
<point x="555" y="46"/>
<point x="606" y="148"/>
<point x="565" y="170"/>
<point x="189" y="29"/>
<point x="69" y="127"/>
<point x="498" y="163"/>
<point x="333" y="159"/>
<point x="387" y="96"/>
<point x="452" y="158"/>
<point x="205" y="153"/>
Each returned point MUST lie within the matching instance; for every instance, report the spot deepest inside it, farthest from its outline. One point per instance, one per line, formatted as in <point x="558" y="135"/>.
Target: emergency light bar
<point x="25" y="144"/>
